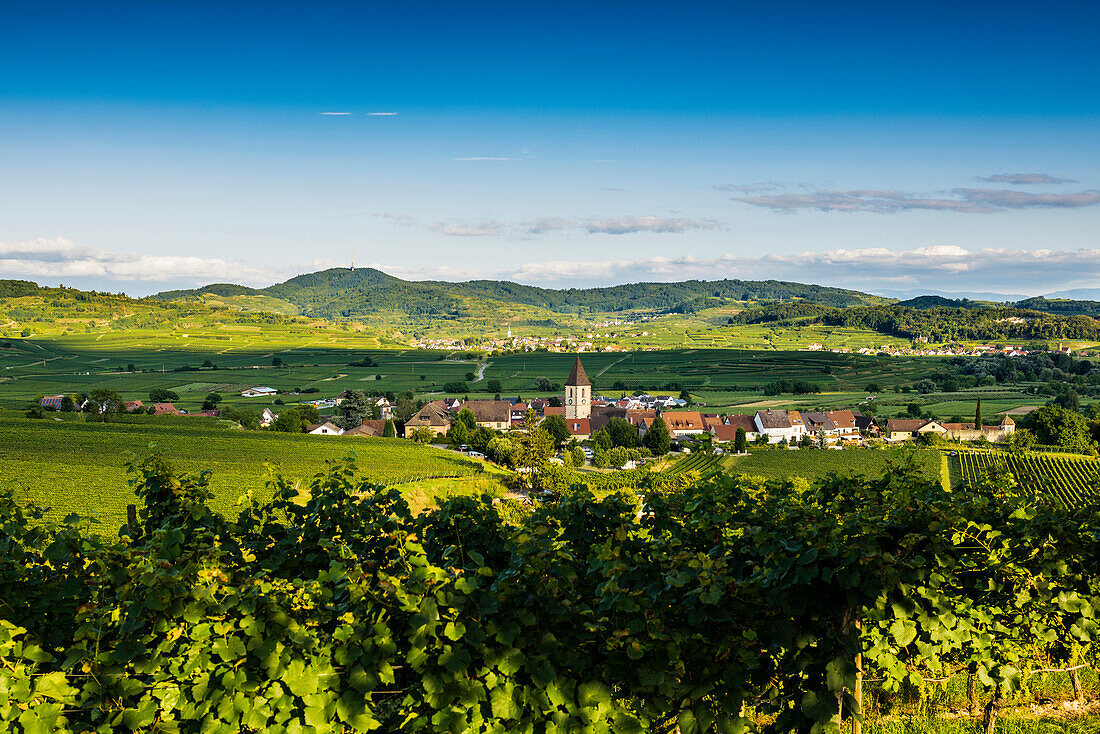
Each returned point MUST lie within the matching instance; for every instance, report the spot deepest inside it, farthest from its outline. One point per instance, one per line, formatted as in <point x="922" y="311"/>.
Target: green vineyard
<point x="1073" y="481"/>
<point x="707" y="465"/>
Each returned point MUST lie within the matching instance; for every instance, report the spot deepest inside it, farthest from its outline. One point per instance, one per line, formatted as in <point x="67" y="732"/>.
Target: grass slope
<point x="80" y="467"/>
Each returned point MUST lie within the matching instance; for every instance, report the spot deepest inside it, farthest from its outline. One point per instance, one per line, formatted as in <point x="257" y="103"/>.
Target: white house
<point x="324" y="429"/>
<point x="267" y="417"/>
<point x="780" y="424"/>
<point x="259" y="392"/>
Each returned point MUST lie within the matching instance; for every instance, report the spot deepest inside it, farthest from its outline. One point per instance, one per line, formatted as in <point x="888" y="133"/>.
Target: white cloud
<point x="381" y="114"/>
<point x="59" y="257"/>
<point x="335" y="114"/>
<point x="486" y="158"/>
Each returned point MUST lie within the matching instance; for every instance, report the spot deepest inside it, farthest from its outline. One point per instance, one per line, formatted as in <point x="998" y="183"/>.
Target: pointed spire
<point x="577" y="377"/>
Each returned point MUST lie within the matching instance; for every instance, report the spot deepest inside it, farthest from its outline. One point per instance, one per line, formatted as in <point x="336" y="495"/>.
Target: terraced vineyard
<point x="705" y="464"/>
<point x="1073" y="481"/>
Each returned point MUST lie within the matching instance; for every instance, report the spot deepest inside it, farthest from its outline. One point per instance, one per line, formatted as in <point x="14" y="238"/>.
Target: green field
<point x="811" y="464"/>
<point x="80" y="467"/>
<point x="1072" y="480"/>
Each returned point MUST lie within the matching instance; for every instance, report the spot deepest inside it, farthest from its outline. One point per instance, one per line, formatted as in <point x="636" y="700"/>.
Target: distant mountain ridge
<point x="344" y="292"/>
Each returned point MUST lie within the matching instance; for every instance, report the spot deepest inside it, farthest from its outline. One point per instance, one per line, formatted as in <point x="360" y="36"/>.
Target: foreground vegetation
<point x="726" y="604"/>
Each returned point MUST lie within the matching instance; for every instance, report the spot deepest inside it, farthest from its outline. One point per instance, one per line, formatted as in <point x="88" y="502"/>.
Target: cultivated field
<point x="1072" y="480"/>
<point x="80" y="467"/>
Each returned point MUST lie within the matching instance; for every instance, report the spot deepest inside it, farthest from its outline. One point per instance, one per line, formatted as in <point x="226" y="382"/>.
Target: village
<point x="585" y="414"/>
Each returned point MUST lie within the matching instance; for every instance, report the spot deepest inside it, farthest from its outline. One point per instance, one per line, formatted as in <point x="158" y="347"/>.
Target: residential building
<point x="132" y="406"/>
<point x="432" y="416"/>
<point x="779" y="425"/>
<point x="579" y="428"/>
<point x="724" y="427"/>
<point x="906" y="429"/>
<point x="684" y="422"/>
<point x="495" y="414"/>
<point x="268" y="417"/>
<point x="164" y="409"/>
<point x="324" y="429"/>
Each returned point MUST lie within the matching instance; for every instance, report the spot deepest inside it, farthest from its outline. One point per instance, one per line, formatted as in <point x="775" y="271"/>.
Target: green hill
<point x="344" y="293"/>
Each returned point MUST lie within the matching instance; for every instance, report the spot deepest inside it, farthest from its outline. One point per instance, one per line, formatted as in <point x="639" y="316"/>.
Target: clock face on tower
<point x="570" y="401"/>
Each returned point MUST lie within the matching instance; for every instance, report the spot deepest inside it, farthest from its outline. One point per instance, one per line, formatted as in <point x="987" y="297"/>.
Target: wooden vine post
<point x="857" y="692"/>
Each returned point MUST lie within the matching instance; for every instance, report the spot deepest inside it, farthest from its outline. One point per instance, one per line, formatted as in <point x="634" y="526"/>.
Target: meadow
<point x="81" y="467"/>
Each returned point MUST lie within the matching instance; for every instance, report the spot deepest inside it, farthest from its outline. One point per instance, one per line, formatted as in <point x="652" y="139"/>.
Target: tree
<point x="685" y="396"/>
<point x="459" y="434"/>
<point x="481" y="436"/>
<point x="533" y="449"/>
<point x="353" y="410"/>
<point x="163" y="395"/>
<point x="978" y="415"/>
<point x="423" y="434"/>
<point x="600" y="459"/>
<point x="470" y="377"/>
<point x="105" y="401"/>
<point x="925" y="386"/>
<point x="603" y="439"/>
<point x="622" y="433"/>
<point x="1020" y="441"/>
<point x="309" y="413"/>
<point x="578" y="456"/>
<point x="740" y="441"/>
<point x="210" y="402"/>
<point x="467" y="417"/>
<point x="1054" y="425"/>
<point x="555" y="426"/>
<point x="289" y="421"/>
<point x="389" y="430"/>
<point x="618" y="456"/>
<point x="502" y="450"/>
<point x="873" y="387"/>
<point x="492" y="386"/>
<point x="555" y="402"/>
<point x="657" y="438"/>
<point x="277" y="362"/>
<point x="543" y="384"/>
<point x="456" y="388"/>
<point x="68" y="405"/>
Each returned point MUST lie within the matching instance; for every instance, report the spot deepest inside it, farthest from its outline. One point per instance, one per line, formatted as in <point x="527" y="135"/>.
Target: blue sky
<point x="886" y="147"/>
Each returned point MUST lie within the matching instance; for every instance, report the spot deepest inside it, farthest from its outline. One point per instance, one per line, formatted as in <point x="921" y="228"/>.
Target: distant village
<point x="585" y="414"/>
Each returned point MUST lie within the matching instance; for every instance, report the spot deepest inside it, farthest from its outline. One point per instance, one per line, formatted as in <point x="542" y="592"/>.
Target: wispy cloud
<point x="486" y="158"/>
<point x="547" y="225"/>
<point x="1025" y="178"/>
<point x="335" y="114"/>
<point x="888" y="202"/>
<point x="381" y="114"/>
<point x="758" y="187"/>
<point x="936" y="267"/>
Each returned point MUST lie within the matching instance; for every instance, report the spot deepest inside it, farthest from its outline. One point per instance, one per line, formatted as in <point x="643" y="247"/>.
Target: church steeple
<point x="577" y="376"/>
<point x="578" y="393"/>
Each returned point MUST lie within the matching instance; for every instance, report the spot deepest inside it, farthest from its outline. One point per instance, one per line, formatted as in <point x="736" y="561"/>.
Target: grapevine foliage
<point x="341" y="611"/>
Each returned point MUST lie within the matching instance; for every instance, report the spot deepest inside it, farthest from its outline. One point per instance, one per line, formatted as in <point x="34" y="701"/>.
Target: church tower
<point x="578" y="393"/>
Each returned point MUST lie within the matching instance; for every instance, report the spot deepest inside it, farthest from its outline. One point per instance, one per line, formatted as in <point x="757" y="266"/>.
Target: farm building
<point x="495" y="414"/>
<point x="164" y="409"/>
<point x="259" y="392"/>
<point x="51" y="402"/>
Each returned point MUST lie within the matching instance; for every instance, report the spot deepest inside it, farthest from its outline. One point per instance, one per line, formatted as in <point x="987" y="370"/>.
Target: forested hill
<point x="937" y="324"/>
<point x="342" y="292"/>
